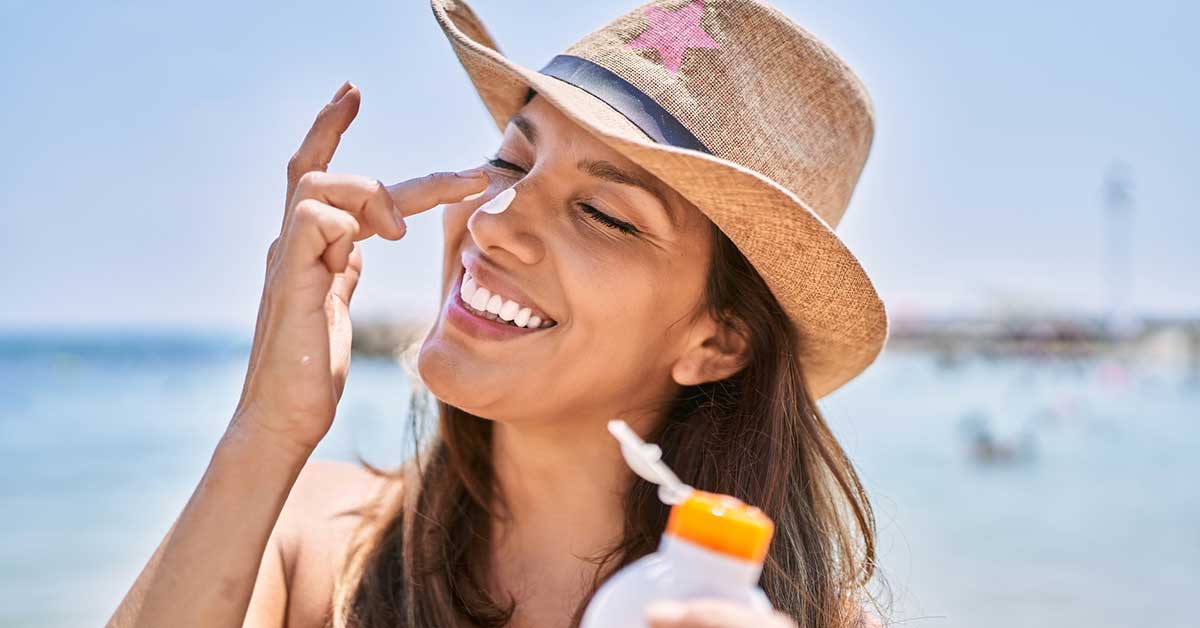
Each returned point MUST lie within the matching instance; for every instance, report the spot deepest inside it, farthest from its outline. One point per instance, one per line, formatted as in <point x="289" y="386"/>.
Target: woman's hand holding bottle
<point x="706" y="613"/>
<point x="301" y="351"/>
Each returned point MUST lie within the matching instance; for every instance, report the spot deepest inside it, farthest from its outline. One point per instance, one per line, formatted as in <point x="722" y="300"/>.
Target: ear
<point x="714" y="351"/>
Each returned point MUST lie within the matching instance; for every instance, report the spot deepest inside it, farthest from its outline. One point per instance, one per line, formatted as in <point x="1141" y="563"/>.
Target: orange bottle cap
<point x="723" y="524"/>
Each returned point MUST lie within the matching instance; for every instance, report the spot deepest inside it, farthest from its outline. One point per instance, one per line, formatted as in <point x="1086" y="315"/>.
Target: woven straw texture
<point x="789" y="126"/>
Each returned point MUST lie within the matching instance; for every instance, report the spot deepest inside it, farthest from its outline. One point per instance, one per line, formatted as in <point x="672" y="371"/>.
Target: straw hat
<point x="745" y="114"/>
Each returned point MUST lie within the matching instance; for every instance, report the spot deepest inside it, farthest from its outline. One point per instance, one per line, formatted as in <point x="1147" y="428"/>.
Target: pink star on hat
<point x="673" y="32"/>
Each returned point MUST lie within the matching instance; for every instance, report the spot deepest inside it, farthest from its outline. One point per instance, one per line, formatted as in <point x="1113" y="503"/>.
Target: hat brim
<point x="841" y="320"/>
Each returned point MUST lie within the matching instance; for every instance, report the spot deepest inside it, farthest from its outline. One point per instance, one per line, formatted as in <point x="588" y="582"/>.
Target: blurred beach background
<point x="1029" y="213"/>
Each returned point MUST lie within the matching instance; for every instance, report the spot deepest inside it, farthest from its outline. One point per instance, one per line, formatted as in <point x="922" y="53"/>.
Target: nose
<point x="508" y="229"/>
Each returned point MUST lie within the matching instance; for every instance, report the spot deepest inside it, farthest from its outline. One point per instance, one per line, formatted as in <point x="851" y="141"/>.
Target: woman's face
<point x="616" y="261"/>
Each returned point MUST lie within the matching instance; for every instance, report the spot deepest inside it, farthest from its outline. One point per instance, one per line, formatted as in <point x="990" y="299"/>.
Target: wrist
<point x="248" y="430"/>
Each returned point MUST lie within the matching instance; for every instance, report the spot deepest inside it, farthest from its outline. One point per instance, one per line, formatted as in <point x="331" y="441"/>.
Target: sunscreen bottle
<point x="713" y="547"/>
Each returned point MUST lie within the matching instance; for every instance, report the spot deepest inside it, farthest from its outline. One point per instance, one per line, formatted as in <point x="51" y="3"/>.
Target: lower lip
<point x="479" y="327"/>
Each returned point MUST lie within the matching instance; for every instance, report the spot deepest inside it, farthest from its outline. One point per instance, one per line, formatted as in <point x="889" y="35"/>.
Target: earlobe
<point x="684" y="371"/>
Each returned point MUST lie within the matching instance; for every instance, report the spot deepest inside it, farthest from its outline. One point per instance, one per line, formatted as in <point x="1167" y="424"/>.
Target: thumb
<point x="346" y="281"/>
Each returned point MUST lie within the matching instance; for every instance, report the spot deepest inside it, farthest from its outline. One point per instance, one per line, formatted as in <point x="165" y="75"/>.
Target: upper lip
<point x="498" y="283"/>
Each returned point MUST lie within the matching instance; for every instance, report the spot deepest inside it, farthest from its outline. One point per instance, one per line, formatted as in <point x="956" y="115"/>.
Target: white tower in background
<point x="1118" y="254"/>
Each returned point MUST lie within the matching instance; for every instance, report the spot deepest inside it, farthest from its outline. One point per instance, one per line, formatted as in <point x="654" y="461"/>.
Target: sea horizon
<point x="1090" y="516"/>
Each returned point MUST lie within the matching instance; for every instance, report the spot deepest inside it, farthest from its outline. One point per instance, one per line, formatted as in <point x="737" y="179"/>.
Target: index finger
<point x="423" y="193"/>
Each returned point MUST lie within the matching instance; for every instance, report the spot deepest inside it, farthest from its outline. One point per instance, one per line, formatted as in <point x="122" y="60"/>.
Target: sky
<point x="145" y="147"/>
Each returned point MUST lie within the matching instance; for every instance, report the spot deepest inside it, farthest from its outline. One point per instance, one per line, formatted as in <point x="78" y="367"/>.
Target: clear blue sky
<point x="145" y="145"/>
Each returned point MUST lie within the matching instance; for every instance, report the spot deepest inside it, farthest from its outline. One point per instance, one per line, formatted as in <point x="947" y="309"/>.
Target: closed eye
<point x="592" y="212"/>
<point x="607" y="220"/>
<point x="496" y="162"/>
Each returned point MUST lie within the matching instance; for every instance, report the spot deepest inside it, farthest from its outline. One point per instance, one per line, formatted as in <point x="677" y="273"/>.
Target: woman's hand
<point x="301" y="350"/>
<point x="708" y="613"/>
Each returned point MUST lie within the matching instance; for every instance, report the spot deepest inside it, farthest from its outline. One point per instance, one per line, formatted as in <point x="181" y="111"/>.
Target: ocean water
<point x="1087" y="513"/>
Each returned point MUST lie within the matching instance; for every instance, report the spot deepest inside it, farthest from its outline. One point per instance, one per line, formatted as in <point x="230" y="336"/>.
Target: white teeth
<point x="468" y="289"/>
<point x="509" y="310"/>
<point x="479" y="300"/>
<point x="495" y="307"/>
<point x="494" y="304"/>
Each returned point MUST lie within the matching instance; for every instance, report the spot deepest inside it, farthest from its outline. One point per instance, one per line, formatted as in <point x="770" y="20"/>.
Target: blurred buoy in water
<point x="1112" y="376"/>
<point x="984" y="447"/>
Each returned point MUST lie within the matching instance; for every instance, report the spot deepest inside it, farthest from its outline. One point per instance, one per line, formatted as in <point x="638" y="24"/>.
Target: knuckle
<point x="324" y="112"/>
<point x="349" y="225"/>
<point x="379" y="191"/>
<point x="296" y="165"/>
<point x="301" y="164"/>
<point x="307" y="211"/>
<point x="308" y="179"/>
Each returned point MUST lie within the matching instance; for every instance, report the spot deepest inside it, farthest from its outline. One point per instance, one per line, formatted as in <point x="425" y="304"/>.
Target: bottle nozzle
<point x="646" y="460"/>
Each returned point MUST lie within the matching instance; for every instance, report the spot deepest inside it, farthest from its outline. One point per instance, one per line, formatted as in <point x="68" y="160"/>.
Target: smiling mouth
<point x="484" y="303"/>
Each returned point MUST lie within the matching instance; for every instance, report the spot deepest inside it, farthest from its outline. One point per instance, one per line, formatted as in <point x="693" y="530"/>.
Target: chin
<point x="447" y="374"/>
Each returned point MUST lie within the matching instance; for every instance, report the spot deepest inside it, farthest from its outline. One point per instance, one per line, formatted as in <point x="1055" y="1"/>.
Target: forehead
<point x="554" y="126"/>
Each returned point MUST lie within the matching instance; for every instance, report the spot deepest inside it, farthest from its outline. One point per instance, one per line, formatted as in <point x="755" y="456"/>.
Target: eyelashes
<point x="592" y="212"/>
<point x="496" y="162"/>
<point x="607" y="220"/>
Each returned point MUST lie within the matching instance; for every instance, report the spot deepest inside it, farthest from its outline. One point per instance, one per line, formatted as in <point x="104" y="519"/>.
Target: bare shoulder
<point x="326" y="488"/>
<point x="318" y="526"/>
<point x="326" y="504"/>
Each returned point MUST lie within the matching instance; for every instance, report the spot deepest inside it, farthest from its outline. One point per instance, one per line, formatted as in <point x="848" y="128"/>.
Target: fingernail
<point x="471" y="173"/>
<point x="339" y="94"/>
<point x="666" y="611"/>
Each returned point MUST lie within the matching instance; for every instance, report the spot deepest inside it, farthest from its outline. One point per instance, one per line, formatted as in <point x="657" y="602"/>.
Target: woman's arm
<point x="203" y="573"/>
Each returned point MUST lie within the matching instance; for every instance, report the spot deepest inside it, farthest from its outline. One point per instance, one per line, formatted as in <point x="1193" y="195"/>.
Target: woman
<point x="666" y="259"/>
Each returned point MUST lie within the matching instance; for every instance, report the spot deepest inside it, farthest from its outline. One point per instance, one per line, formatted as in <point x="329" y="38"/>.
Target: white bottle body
<point x="679" y="570"/>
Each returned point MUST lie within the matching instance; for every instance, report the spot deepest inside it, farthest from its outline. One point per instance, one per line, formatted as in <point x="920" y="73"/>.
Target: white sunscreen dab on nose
<point x="499" y="202"/>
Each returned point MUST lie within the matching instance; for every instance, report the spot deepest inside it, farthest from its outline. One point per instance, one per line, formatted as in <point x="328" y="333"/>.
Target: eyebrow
<point x="601" y="169"/>
<point x="610" y="172"/>
<point x="526" y="127"/>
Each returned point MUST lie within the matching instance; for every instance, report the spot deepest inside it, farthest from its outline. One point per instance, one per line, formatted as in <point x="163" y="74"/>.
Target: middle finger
<point x="366" y="198"/>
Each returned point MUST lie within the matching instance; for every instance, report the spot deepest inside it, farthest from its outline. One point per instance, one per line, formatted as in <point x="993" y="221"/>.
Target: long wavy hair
<point x="757" y="435"/>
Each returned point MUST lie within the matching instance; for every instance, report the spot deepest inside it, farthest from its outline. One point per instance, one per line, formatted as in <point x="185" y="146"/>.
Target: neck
<point x="564" y="485"/>
<point x="567" y="478"/>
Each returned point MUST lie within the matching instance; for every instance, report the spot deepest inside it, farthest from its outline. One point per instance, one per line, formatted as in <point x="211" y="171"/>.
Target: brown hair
<point x="757" y="435"/>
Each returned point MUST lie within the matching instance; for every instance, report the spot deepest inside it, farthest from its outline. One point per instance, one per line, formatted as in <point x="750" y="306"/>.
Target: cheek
<point x="633" y="313"/>
<point x="613" y="299"/>
<point x="454" y="220"/>
<point x="454" y="227"/>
